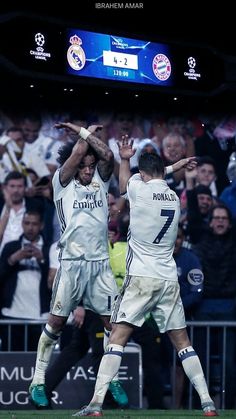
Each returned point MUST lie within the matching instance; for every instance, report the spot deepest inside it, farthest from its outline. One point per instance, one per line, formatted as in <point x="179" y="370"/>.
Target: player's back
<point x="154" y="217"/>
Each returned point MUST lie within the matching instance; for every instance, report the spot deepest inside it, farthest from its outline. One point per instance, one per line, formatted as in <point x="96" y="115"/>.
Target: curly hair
<point x="65" y="151"/>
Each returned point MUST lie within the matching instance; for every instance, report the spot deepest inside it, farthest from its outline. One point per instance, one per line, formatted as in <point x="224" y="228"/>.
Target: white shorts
<point x="90" y="281"/>
<point x="140" y="296"/>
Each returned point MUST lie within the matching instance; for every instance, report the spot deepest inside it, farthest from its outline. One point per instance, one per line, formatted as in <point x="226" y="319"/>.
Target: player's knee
<point x="56" y="323"/>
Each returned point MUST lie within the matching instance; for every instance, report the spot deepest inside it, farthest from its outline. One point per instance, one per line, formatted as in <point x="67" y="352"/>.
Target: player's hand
<point x="188" y="163"/>
<point x="25" y="253"/>
<point x="191" y="163"/>
<point x="37" y="253"/>
<point x="94" y="128"/>
<point x="68" y="125"/>
<point x="79" y="315"/>
<point x="125" y="147"/>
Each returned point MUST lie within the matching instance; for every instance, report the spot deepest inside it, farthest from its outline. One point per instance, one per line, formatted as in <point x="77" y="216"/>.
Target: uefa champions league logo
<point x="39" y="53"/>
<point x="191" y="62"/>
<point x="39" y="39"/>
<point x="192" y="74"/>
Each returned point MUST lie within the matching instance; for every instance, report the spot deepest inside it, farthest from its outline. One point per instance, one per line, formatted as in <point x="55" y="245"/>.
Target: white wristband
<point x="84" y="133"/>
<point x="169" y="169"/>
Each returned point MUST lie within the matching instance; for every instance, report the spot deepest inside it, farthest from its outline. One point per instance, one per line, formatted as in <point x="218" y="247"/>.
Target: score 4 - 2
<point x="118" y="59"/>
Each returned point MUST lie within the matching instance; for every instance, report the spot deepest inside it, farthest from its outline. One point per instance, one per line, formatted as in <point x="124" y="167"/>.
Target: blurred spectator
<point x="173" y="150"/>
<point x="15" y="157"/>
<point x="158" y="129"/>
<point x="190" y="275"/>
<point x="36" y="144"/>
<point x="203" y="174"/>
<point x="13" y="205"/>
<point x="217" y="252"/>
<point x="123" y="125"/>
<point x="228" y="196"/>
<point x="199" y="204"/>
<point x="5" y="122"/>
<point x="23" y="278"/>
<point x="12" y="144"/>
<point x="148" y="146"/>
<point x="206" y="173"/>
<point x="218" y="149"/>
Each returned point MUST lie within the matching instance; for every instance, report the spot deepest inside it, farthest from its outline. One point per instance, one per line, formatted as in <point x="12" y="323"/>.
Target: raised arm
<point x="186" y="163"/>
<point x="126" y="152"/>
<point x="105" y="155"/>
<point x="70" y="167"/>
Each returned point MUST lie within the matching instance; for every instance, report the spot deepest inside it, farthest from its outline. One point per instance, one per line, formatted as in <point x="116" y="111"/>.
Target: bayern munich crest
<point x="75" y="54"/>
<point x="161" y="67"/>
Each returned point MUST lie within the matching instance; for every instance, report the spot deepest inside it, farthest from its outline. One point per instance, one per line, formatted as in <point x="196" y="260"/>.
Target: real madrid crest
<point x="95" y="186"/>
<point x="75" y="54"/>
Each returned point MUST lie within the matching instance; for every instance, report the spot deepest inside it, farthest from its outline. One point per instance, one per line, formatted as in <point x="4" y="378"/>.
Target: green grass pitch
<point x="114" y="414"/>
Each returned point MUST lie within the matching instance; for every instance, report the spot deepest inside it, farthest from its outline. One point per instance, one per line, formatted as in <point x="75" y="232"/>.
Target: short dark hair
<point x="206" y="160"/>
<point x="220" y="206"/>
<point x="34" y="211"/>
<point x="202" y="189"/>
<point x="65" y="151"/>
<point x="151" y="163"/>
<point x="14" y="175"/>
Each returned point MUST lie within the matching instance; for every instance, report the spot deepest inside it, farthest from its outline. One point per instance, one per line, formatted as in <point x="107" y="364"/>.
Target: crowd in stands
<point x="205" y="251"/>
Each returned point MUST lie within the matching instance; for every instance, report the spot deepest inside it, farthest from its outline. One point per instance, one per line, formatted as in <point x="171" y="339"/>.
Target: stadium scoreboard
<point x="75" y="54"/>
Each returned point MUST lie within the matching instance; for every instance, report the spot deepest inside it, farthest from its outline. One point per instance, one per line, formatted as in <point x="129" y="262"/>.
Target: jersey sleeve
<point x="53" y="256"/>
<point x="132" y="185"/>
<point x="57" y="186"/>
<point x="58" y="189"/>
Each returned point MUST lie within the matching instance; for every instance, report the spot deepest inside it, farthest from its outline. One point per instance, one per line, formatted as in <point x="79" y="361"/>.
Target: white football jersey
<point x="154" y="217"/>
<point x="83" y="215"/>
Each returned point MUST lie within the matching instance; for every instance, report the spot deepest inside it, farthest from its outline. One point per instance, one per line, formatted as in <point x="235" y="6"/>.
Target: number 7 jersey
<point x="154" y="218"/>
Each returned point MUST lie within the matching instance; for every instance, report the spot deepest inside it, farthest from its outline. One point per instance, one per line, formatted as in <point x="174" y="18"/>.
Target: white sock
<point x="47" y="342"/>
<point x="105" y="344"/>
<point x="193" y="370"/>
<point x="109" y="367"/>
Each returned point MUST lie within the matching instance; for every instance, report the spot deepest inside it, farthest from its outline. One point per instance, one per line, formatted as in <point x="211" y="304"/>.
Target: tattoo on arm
<point x="106" y="158"/>
<point x="105" y="169"/>
<point x="99" y="146"/>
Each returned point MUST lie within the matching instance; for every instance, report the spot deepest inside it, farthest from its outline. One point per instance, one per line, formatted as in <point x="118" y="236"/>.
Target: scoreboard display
<point x="36" y="46"/>
<point x="117" y="58"/>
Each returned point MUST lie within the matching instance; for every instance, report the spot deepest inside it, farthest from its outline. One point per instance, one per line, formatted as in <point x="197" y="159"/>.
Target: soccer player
<point x="80" y="189"/>
<point x="151" y="284"/>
